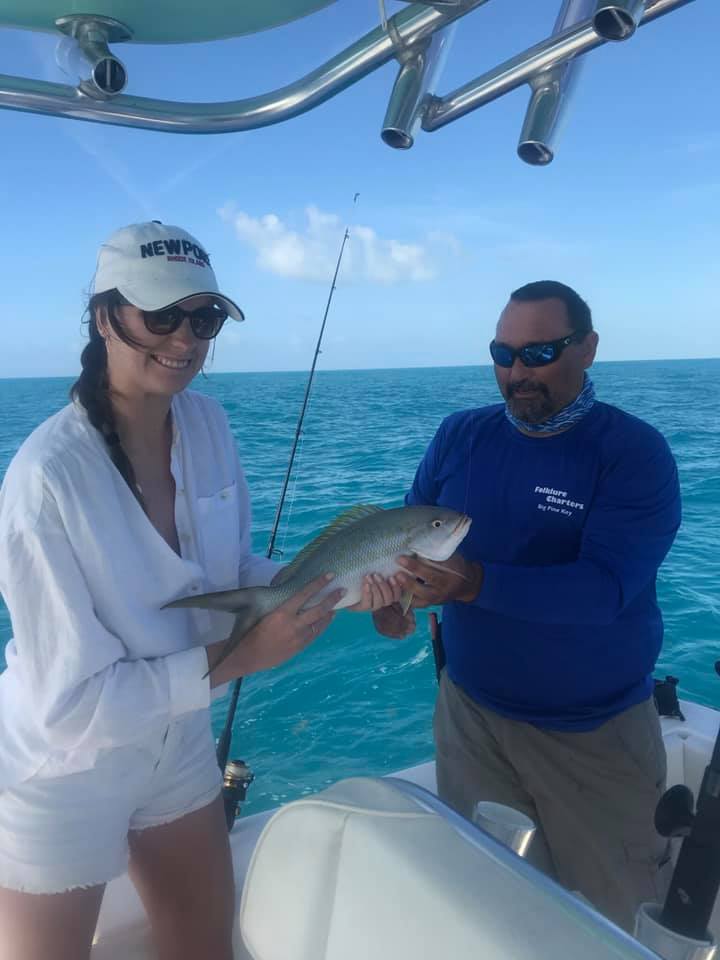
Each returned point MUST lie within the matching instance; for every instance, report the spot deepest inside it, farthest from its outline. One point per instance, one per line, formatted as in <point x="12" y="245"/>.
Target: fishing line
<point x="224" y="742"/>
<point x="288" y="515"/>
<point x="306" y="398"/>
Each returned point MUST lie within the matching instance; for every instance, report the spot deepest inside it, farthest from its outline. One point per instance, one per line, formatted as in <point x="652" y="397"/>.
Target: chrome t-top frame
<point x="418" y="37"/>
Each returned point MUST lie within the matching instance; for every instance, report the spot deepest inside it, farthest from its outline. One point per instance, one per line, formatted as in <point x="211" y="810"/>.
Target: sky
<point x="627" y="213"/>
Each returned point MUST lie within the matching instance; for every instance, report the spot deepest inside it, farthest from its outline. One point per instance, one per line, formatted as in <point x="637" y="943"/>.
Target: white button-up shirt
<point x="95" y="662"/>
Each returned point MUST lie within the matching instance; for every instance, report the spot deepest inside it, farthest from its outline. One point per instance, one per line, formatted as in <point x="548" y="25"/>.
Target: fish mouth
<point x="458" y="534"/>
<point x="462" y="526"/>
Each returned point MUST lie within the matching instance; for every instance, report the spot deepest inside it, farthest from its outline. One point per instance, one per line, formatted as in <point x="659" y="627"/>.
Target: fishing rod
<point x="301" y="418"/>
<point x="680" y="926"/>
<point x="237" y="776"/>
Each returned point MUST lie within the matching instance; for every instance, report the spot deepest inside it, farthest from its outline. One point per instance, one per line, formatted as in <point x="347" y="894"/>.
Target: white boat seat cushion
<point x="362" y="871"/>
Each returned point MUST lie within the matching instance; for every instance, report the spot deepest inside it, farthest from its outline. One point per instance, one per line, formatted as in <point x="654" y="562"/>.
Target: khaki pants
<point x="592" y="794"/>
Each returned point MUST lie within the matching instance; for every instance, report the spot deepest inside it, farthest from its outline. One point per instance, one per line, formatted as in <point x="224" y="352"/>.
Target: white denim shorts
<point x="58" y="833"/>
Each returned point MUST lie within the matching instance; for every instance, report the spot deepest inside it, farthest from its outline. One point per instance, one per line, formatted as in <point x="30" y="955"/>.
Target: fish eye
<point x="437" y="523"/>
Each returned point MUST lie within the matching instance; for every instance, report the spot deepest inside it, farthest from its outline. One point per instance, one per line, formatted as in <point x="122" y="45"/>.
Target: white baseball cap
<point x="155" y="265"/>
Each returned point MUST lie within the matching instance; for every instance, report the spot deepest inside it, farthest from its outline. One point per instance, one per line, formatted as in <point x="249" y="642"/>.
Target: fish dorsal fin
<point x="343" y="520"/>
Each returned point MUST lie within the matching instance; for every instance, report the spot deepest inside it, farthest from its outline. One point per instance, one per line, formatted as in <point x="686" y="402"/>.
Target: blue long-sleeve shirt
<point x="571" y="530"/>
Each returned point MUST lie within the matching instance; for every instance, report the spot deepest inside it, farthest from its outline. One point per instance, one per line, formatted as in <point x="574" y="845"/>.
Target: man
<point x="552" y="632"/>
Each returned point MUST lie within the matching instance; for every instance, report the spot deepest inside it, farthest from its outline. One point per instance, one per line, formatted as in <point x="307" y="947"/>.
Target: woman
<point x="129" y="497"/>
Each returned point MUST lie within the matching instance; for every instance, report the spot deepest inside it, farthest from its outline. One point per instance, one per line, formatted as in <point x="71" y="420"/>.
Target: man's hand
<point x="454" y="579"/>
<point x="392" y="622"/>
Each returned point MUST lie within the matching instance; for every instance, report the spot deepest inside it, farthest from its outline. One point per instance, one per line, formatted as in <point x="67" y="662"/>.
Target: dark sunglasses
<point x="205" y="322"/>
<point x="532" y="354"/>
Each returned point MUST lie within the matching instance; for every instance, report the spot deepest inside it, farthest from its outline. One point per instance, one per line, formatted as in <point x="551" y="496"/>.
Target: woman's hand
<point x="377" y="592"/>
<point x="278" y="637"/>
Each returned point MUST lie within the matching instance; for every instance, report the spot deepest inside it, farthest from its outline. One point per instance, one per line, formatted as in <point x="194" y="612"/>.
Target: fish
<point x="364" y="539"/>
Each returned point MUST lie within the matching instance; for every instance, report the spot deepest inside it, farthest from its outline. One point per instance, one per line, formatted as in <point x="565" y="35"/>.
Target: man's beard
<point x="537" y="407"/>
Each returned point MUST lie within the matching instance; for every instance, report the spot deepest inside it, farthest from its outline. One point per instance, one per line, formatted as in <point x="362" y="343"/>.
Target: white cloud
<point x="310" y="252"/>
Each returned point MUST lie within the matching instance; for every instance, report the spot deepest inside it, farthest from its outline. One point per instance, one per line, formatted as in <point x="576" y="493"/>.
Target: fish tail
<point x="245" y="620"/>
<point x="248" y="605"/>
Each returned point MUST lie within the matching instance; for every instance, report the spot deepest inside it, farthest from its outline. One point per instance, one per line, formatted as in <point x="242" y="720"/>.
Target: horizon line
<point x="445" y="366"/>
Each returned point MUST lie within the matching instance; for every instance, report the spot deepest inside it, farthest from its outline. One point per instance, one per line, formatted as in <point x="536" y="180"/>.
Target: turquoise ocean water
<point x="356" y="703"/>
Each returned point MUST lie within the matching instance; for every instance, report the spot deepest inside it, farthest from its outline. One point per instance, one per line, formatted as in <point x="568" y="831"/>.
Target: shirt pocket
<point x="219" y="535"/>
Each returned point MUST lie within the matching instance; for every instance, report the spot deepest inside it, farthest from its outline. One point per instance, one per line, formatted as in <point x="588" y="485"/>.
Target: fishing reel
<point x="237" y="778"/>
<point x="675" y="813"/>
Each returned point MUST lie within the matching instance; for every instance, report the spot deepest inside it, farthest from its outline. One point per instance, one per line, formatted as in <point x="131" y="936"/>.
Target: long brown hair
<point x="92" y="387"/>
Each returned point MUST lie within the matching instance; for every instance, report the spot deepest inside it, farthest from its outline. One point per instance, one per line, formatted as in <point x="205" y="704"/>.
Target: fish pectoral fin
<point x="439" y="566"/>
<point x="406" y="598"/>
